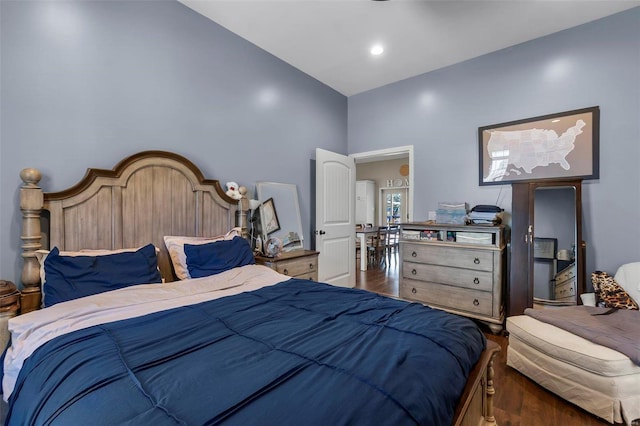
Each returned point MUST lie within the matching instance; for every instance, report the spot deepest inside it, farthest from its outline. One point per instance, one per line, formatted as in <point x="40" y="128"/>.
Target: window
<point x="395" y="205"/>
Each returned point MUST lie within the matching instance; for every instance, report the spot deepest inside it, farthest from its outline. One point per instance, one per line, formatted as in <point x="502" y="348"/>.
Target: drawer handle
<point x="476" y="280"/>
<point x="286" y="272"/>
<point x="476" y="261"/>
<point x="414" y="291"/>
<point x="413" y="272"/>
<point x="311" y="266"/>
<point x="414" y="254"/>
<point x="475" y="302"/>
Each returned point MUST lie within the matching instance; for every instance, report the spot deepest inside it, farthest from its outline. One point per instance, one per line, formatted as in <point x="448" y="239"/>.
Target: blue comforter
<point x="297" y="353"/>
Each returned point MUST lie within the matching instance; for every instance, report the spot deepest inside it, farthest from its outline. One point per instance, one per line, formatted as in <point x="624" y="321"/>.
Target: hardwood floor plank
<point x="518" y="401"/>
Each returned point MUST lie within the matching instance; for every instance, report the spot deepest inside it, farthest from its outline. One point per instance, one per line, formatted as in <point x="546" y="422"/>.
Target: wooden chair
<point x="392" y="241"/>
<point x="376" y="247"/>
<point x="359" y="227"/>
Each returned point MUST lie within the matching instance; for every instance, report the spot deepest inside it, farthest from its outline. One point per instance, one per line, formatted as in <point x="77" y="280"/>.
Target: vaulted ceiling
<point x="331" y="39"/>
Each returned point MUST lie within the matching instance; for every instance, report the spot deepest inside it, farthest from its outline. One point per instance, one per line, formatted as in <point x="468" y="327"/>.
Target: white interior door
<point x="335" y="218"/>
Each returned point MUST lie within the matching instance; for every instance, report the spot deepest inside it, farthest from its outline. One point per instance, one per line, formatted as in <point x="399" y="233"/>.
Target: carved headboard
<point x="145" y="197"/>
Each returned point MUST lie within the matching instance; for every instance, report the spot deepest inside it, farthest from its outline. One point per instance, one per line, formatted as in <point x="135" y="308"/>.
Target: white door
<point x="335" y="218"/>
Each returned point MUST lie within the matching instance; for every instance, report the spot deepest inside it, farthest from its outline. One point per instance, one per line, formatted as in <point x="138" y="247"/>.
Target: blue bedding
<point x="297" y="353"/>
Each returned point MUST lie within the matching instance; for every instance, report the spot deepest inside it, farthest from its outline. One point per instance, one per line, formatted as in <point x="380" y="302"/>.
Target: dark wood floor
<point x="518" y="400"/>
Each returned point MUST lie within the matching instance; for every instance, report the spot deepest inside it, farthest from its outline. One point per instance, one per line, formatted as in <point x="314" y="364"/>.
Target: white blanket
<point x="30" y="331"/>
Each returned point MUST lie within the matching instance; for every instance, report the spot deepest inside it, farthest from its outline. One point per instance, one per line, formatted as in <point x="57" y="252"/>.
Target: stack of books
<point x="485" y="215"/>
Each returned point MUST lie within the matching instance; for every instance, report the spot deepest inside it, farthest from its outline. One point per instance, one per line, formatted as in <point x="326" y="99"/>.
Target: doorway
<point x="397" y="178"/>
<point x="392" y="170"/>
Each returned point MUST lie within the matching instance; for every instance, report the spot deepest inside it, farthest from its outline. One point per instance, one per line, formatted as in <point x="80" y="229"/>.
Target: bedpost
<point x="490" y="392"/>
<point x="31" y="203"/>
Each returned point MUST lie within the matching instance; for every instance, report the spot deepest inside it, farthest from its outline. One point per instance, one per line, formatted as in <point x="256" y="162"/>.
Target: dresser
<point x="565" y="284"/>
<point x="296" y="263"/>
<point x="456" y="268"/>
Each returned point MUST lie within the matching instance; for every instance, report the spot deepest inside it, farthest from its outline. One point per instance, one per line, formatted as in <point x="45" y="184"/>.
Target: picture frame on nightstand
<point x="269" y="217"/>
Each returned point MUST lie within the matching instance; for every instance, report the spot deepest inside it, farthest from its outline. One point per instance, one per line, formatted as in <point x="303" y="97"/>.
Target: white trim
<point x="389" y="154"/>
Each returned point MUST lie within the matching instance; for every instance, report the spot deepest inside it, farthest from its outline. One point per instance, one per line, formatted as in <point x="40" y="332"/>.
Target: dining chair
<point x="361" y="227"/>
<point x="392" y="241"/>
<point x="376" y="247"/>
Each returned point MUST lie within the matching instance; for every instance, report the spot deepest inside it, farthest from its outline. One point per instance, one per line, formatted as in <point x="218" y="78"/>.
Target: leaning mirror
<point x="280" y="214"/>
<point x="554" y="261"/>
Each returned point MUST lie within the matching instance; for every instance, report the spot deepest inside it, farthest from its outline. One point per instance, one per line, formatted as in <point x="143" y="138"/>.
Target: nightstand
<point x="297" y="264"/>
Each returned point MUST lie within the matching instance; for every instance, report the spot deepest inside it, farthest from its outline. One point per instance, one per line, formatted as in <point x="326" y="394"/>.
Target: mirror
<point x="555" y="242"/>
<point x="279" y="214"/>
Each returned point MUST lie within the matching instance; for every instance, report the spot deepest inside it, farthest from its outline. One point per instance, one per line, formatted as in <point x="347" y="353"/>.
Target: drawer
<point x="566" y="274"/>
<point x="475" y="301"/>
<point x="467" y="278"/>
<point x="485" y="238"/>
<point x="481" y="260"/>
<point x="297" y="267"/>
<point x="313" y="276"/>
<point x="566" y="289"/>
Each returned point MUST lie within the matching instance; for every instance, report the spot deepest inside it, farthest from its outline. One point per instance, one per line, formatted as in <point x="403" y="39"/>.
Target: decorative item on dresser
<point x="296" y="263"/>
<point x="457" y="268"/>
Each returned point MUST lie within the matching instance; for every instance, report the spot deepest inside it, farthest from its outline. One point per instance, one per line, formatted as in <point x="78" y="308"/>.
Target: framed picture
<point x="269" y="217"/>
<point x="545" y="248"/>
<point x="555" y="146"/>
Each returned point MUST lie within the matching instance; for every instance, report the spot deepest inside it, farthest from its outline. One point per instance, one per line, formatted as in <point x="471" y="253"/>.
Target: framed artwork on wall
<point x="545" y="248"/>
<point x="554" y="146"/>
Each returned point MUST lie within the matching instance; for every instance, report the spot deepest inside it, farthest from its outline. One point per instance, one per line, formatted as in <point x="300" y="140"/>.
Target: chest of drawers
<point x="565" y="284"/>
<point x="453" y="272"/>
<point x="297" y="263"/>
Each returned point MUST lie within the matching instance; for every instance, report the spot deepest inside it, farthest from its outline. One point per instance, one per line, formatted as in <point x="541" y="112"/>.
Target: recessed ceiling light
<point x="376" y="49"/>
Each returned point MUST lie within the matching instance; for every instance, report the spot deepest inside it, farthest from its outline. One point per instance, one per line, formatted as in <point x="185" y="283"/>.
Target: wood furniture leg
<point x="31" y="203"/>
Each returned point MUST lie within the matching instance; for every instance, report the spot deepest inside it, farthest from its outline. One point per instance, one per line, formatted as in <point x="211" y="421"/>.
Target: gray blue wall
<point x="87" y="83"/>
<point x="439" y="113"/>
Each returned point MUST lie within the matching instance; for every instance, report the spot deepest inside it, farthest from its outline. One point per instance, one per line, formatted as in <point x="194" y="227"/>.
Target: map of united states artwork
<point x="555" y="146"/>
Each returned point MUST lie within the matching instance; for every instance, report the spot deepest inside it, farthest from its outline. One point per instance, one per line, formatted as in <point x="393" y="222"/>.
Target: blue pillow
<point x="72" y="277"/>
<point x="212" y="258"/>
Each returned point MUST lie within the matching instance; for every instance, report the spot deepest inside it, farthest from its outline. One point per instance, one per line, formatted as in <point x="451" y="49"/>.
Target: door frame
<point x="391" y="154"/>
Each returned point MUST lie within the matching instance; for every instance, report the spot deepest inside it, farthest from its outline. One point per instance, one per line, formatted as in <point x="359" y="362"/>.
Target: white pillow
<point x="628" y="276"/>
<point x="175" y="246"/>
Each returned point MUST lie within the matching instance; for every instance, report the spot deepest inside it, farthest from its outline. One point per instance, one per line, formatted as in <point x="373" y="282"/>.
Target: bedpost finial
<point x="30" y="176"/>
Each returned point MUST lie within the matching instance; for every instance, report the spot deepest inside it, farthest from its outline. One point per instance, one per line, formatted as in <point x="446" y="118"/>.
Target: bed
<point x="212" y="338"/>
<point x="585" y="357"/>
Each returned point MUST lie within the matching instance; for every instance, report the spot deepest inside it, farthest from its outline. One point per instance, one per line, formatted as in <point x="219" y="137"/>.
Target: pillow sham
<point x="213" y="258"/>
<point x="41" y="255"/>
<point x="610" y="292"/>
<point x="175" y="247"/>
<point x="72" y="277"/>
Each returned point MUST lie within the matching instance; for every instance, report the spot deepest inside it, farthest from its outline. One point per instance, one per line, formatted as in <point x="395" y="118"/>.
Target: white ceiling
<point x="330" y="39"/>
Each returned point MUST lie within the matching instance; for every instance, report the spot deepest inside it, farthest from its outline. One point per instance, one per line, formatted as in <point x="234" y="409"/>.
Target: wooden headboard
<point x="145" y="197"/>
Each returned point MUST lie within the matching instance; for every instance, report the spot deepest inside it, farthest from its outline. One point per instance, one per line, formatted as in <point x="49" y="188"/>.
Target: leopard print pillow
<point x="610" y="292"/>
